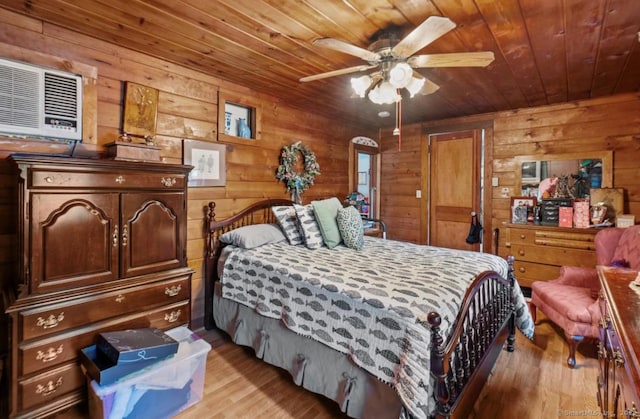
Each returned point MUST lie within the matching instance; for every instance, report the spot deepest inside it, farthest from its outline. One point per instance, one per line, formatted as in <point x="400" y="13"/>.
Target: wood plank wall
<point x="611" y="123"/>
<point x="187" y="109"/>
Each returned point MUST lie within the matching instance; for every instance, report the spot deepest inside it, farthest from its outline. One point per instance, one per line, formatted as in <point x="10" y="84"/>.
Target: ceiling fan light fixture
<point x="361" y="84"/>
<point x="384" y="93"/>
<point x="415" y="85"/>
<point x="400" y="75"/>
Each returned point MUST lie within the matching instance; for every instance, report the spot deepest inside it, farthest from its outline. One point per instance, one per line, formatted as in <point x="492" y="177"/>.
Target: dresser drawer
<point x="64" y="316"/>
<point x="49" y="385"/>
<point x="527" y="272"/>
<point x="54" y="179"/>
<point x="50" y="352"/>
<point x="522" y="236"/>
<point x="554" y="255"/>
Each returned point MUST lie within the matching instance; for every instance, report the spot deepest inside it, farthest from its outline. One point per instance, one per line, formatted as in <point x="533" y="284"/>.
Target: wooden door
<point x="72" y="241"/>
<point x="152" y="237"/>
<point x="454" y="187"/>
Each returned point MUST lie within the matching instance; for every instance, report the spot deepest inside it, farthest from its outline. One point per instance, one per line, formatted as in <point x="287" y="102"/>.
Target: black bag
<point x="475" y="230"/>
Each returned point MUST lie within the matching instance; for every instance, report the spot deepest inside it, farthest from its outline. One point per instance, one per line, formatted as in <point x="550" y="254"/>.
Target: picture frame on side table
<point x="208" y="161"/>
<point x="521" y="207"/>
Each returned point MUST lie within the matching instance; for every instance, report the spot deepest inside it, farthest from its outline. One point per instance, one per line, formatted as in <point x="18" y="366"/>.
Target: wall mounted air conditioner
<point x="40" y="102"/>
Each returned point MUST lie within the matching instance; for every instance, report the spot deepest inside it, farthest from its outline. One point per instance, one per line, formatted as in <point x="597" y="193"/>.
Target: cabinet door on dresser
<point x="72" y="240"/>
<point x="151" y="232"/>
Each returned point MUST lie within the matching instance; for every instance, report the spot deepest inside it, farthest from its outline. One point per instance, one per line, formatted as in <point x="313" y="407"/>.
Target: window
<point x="364" y="179"/>
<point x="239" y="118"/>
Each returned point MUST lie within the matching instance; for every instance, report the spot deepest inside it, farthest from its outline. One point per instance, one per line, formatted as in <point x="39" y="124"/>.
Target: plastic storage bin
<point x="161" y="390"/>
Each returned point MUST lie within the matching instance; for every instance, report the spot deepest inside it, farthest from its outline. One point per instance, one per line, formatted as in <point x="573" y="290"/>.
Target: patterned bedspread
<point x="365" y="303"/>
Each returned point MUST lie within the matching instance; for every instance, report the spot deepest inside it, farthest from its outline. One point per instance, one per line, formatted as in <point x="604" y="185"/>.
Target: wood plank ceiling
<point x="546" y="51"/>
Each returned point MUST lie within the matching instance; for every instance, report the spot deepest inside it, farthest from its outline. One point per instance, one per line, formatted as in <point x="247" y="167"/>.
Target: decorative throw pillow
<point x="286" y="216"/>
<point x="252" y="236"/>
<point x="350" y="226"/>
<point x="326" y="212"/>
<point x="309" y="226"/>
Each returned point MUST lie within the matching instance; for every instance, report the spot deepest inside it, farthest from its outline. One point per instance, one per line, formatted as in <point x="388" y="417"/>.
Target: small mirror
<point x="575" y="174"/>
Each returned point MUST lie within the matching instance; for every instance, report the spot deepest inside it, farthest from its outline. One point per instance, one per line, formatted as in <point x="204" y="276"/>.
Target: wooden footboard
<point x="258" y="213"/>
<point x="462" y="364"/>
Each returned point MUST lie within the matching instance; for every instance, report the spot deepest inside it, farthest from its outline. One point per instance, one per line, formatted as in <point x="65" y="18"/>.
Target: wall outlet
<point x="504" y="192"/>
<point x="494" y="181"/>
<point x="418" y="193"/>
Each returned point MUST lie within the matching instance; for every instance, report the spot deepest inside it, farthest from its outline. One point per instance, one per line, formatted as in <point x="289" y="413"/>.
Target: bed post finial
<point x="437" y="366"/>
<point x="212" y="213"/>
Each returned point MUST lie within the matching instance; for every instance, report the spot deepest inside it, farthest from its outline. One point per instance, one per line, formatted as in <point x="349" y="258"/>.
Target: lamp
<point x="383" y="87"/>
<point x="384" y="93"/>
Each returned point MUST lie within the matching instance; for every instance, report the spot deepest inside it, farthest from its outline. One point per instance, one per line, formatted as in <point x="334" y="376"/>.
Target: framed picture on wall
<point x="208" y="161"/>
<point x="521" y="207"/>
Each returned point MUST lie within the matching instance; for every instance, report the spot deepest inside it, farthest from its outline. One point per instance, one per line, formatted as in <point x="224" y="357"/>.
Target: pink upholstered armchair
<point x="571" y="300"/>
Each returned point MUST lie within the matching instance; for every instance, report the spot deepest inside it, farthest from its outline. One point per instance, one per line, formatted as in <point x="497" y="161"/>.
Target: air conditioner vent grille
<point x="60" y="96"/>
<point x="19" y="97"/>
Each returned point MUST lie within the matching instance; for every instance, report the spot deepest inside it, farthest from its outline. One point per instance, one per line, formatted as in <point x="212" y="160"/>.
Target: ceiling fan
<point x="396" y="63"/>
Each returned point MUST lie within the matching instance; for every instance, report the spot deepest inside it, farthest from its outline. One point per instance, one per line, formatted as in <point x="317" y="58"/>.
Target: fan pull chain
<point x="397" y="130"/>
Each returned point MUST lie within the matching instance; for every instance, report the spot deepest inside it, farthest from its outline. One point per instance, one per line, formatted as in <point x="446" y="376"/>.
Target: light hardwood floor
<point x="532" y="382"/>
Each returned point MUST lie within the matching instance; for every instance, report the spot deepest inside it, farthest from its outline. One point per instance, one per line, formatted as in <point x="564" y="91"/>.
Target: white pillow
<point x="252" y="236"/>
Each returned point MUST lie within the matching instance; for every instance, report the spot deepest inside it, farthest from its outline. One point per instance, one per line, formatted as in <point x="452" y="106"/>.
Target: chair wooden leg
<point x="532" y="310"/>
<point x="574" y="341"/>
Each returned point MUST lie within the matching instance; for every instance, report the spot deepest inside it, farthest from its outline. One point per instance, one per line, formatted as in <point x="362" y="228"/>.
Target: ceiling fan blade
<point x="427" y="32"/>
<point x="454" y="59"/>
<point x="429" y="87"/>
<point x="337" y="72"/>
<point x="347" y="48"/>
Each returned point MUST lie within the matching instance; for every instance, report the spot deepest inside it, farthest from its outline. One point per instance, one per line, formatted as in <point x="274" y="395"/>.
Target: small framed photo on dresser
<point x="521" y="207"/>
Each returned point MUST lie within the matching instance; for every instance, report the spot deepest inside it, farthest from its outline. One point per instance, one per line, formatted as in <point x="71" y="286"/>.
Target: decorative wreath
<point x="297" y="182"/>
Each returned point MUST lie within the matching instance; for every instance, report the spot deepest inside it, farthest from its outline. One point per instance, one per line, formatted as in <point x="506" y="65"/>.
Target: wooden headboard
<point x="258" y="213"/>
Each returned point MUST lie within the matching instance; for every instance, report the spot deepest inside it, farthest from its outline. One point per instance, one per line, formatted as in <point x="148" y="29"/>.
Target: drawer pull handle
<point x="617" y="357"/>
<point x="120" y="298"/>
<point x="522" y="269"/>
<point x="521" y="252"/>
<point x="168" y="182"/>
<point x="172" y="317"/>
<point x="522" y="236"/>
<point x="50" y="354"/>
<point x="125" y="235"/>
<point x="51" y="321"/>
<point x="173" y="291"/>
<point x="49" y="388"/>
<point x="48" y="179"/>
<point x="114" y="237"/>
<point x="120" y="179"/>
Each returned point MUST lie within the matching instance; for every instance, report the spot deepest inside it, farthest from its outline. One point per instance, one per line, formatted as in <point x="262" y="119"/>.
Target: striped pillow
<point x="288" y="221"/>
<point x="309" y="227"/>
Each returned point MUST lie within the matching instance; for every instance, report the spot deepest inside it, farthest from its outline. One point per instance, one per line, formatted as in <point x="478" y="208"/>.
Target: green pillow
<point x="326" y="212"/>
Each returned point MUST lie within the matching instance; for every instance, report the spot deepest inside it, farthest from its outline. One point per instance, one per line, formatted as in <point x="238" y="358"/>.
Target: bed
<point x="392" y="330"/>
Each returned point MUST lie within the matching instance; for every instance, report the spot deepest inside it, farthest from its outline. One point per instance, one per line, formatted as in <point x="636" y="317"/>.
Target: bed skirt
<point x="313" y="365"/>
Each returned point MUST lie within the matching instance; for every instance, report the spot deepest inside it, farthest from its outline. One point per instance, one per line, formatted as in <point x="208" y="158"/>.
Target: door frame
<point x="486" y="199"/>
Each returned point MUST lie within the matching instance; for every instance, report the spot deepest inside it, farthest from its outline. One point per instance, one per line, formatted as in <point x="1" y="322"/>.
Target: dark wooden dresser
<point x="540" y="251"/>
<point x="619" y="346"/>
<point x="99" y="245"/>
